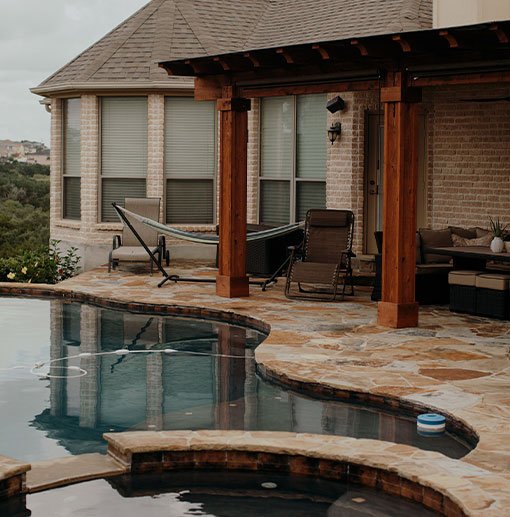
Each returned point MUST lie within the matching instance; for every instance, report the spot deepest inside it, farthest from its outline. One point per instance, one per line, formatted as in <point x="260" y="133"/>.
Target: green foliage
<point x="497" y="228"/>
<point x="24" y="207"/>
<point x="45" y="265"/>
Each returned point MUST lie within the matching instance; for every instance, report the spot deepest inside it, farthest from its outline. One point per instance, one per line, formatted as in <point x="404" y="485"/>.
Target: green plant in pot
<point x="498" y="231"/>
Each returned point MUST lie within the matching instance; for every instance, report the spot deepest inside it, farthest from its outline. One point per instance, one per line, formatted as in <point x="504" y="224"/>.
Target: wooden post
<point x="398" y="307"/>
<point x="231" y="280"/>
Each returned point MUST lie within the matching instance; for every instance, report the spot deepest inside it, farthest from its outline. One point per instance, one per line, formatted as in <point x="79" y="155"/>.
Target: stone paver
<point x="71" y="469"/>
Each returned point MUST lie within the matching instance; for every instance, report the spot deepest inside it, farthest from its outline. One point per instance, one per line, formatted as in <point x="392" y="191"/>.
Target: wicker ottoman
<point x="463" y="291"/>
<point x="492" y="295"/>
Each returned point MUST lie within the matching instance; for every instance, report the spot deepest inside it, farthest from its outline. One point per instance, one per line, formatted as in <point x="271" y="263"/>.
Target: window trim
<point x="293" y="180"/>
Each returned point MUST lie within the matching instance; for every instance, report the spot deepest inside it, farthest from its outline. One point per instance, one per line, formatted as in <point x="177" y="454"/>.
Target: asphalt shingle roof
<point x="166" y="30"/>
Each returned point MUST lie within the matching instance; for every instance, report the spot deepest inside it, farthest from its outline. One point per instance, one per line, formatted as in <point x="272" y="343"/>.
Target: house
<point x="122" y="127"/>
<point x="125" y="128"/>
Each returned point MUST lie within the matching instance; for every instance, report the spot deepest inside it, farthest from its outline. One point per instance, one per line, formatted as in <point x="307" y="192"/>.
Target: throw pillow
<point x="485" y="240"/>
<point x="465" y="233"/>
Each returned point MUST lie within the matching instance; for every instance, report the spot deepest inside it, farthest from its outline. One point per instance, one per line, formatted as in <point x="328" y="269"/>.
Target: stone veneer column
<point x="89" y="162"/>
<point x="253" y="160"/>
<point x="154" y="408"/>
<point x="56" y="163"/>
<point x="89" y="384"/>
<point x="155" y="146"/>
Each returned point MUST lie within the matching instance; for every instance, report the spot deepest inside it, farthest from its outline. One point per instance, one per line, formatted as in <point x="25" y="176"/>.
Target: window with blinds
<point x="123" y="151"/>
<point x="190" y="160"/>
<point x="293" y="157"/>
<point x="71" y="182"/>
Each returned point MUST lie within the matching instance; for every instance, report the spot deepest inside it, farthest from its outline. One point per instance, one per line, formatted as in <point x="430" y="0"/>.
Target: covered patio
<point x="400" y="67"/>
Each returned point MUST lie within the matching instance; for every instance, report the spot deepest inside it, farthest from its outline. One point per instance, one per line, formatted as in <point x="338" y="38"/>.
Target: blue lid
<point x="431" y="419"/>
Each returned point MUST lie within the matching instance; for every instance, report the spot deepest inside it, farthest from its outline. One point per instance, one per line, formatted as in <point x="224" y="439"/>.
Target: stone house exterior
<point x="120" y="126"/>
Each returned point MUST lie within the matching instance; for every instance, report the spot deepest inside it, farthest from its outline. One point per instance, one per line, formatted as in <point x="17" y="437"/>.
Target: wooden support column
<point x="398" y="307"/>
<point x="231" y="281"/>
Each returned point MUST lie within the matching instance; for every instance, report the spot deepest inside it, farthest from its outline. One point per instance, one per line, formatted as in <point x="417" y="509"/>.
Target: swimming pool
<point x="243" y="494"/>
<point x="100" y="370"/>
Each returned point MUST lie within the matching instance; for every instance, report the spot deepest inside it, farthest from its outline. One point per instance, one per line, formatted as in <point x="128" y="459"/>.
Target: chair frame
<point x="343" y="265"/>
<point x="160" y="251"/>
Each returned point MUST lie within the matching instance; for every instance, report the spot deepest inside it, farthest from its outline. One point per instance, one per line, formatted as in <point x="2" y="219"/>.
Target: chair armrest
<point x="117" y="242"/>
<point x="296" y="252"/>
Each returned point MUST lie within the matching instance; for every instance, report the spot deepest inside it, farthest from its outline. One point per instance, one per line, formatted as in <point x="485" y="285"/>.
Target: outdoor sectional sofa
<point x="431" y="269"/>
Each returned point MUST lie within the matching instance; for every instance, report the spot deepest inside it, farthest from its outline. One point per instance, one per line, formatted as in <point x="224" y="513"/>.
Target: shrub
<point x="46" y="265"/>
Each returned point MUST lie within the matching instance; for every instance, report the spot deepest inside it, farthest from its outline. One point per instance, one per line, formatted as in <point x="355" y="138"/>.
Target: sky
<point x="36" y="39"/>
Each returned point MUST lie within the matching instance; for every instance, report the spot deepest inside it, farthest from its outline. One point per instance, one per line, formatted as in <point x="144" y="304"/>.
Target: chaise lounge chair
<point x="127" y="248"/>
<point x="324" y="257"/>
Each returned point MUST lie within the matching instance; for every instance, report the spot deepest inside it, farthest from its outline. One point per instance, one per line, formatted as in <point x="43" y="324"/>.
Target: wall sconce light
<point x="334" y="132"/>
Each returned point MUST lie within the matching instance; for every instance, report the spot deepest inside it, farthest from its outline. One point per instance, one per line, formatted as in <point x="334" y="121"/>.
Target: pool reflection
<point x="210" y="383"/>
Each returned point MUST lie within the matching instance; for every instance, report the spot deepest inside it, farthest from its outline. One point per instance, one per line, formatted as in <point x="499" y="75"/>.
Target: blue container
<point x="431" y="423"/>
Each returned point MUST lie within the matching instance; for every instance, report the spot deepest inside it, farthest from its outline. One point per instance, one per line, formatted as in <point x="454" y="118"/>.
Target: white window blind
<point x="293" y="157"/>
<point x="123" y="151"/>
<point x="71" y="206"/>
<point x="190" y="160"/>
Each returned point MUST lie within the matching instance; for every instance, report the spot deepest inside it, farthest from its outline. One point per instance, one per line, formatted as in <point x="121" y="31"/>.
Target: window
<point x="123" y="151"/>
<point x="71" y="182"/>
<point x="293" y="157"/>
<point x="190" y="160"/>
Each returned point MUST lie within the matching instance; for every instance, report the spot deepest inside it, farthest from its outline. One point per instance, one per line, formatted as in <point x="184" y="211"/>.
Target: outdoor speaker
<point x="336" y="104"/>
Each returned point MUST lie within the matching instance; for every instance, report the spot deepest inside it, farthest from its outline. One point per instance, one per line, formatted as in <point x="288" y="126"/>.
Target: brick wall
<point x="468" y="156"/>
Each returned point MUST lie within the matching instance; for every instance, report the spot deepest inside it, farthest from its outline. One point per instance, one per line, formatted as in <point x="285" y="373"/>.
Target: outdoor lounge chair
<point x="127" y="248"/>
<point x="324" y="257"/>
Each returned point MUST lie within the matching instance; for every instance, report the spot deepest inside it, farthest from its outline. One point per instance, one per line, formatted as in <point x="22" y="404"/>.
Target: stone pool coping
<point x="12" y="476"/>
<point x="458" y="365"/>
<point x="426" y="477"/>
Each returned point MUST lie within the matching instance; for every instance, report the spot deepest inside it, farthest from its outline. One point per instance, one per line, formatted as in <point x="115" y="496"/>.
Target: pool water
<point x="206" y="379"/>
<point x="217" y="494"/>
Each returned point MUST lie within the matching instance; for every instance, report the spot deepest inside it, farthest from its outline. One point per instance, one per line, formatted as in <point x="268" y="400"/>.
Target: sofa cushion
<point x="466" y="233"/>
<point x="435" y="239"/>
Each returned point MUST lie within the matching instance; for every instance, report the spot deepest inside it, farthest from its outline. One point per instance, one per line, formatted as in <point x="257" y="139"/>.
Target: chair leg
<point x="288" y="282"/>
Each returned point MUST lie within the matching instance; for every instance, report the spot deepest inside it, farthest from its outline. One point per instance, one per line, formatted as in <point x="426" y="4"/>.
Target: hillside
<point x="24" y="206"/>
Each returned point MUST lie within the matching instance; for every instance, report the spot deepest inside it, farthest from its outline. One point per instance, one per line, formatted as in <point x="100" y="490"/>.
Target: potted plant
<point x="498" y="232"/>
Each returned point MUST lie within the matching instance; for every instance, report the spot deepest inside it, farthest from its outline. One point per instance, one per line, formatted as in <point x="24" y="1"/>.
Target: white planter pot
<point x="497" y="245"/>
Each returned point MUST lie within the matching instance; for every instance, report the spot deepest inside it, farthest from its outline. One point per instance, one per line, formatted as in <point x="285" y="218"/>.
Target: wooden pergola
<point x="399" y="66"/>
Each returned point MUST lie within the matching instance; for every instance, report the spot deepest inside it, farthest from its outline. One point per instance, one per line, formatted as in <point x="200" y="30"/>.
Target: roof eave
<point x="184" y="86"/>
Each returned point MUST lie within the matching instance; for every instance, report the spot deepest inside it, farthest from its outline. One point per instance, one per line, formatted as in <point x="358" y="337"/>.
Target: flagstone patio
<point x="457" y="365"/>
